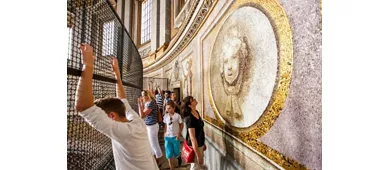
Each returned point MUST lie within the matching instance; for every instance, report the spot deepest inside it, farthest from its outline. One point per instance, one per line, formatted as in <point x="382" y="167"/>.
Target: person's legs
<point x="201" y="152"/>
<point x="153" y="139"/>
<point x="195" y="165"/>
<point x="176" y="150"/>
<point x="156" y="145"/>
<point x="179" y="161"/>
<point x="169" y="150"/>
<point x="176" y="147"/>
<point x="149" y="130"/>
<point x="170" y="161"/>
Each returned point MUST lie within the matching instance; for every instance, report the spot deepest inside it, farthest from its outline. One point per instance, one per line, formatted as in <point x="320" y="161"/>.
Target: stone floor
<point x="165" y="165"/>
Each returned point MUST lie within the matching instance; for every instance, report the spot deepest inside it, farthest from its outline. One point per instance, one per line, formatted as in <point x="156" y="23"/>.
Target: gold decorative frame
<point x="281" y="27"/>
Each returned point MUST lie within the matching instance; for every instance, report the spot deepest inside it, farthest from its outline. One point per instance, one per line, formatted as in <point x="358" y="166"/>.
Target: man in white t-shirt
<point x="115" y="118"/>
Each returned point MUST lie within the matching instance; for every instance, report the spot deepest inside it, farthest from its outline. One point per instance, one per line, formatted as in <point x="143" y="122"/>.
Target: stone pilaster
<point x="119" y="11"/>
<point x="165" y="22"/>
<point x="155" y="25"/>
<point x="136" y="24"/>
<point x="127" y="12"/>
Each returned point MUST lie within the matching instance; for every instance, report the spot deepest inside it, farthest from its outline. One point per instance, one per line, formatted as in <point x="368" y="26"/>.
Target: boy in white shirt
<point x="172" y="129"/>
<point x="115" y="118"/>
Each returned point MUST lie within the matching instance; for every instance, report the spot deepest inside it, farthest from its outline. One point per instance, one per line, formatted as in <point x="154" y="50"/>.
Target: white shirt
<point x="174" y="128"/>
<point x="130" y="143"/>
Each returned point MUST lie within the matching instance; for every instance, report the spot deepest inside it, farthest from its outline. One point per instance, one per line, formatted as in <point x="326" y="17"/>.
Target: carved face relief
<point x="242" y="67"/>
<point x="231" y="60"/>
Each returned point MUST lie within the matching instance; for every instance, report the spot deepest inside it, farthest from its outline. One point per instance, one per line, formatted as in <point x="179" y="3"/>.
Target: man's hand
<point x="87" y="53"/>
<point x="175" y="103"/>
<point x="140" y="102"/>
<point x="115" y="66"/>
<point x="177" y="137"/>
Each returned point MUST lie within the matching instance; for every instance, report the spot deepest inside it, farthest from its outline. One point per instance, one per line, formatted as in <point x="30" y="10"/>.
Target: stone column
<point x="127" y="12"/>
<point x="136" y="22"/>
<point x="175" y="8"/>
<point x="119" y="11"/>
<point x="155" y="25"/>
<point x="165" y="22"/>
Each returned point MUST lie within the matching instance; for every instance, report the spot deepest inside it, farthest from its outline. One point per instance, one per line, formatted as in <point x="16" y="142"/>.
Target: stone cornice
<point x="185" y="35"/>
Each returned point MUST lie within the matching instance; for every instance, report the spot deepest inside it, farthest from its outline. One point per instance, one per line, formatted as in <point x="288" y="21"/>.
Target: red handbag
<point x="187" y="153"/>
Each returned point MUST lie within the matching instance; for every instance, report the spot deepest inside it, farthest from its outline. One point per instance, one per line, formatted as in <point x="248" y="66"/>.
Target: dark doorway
<point x="177" y="91"/>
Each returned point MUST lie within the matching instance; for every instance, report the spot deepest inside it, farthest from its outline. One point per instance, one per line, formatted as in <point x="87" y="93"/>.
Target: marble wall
<point x="297" y="133"/>
<point x="283" y="130"/>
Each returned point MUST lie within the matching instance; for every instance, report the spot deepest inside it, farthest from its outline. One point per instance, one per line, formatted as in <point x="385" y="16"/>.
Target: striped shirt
<point x="151" y="118"/>
<point x="159" y="101"/>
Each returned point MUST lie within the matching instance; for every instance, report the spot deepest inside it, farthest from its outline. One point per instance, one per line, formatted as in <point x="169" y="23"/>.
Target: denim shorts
<point x="172" y="147"/>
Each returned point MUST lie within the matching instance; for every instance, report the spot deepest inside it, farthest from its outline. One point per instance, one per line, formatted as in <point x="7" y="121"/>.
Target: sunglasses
<point x="170" y="123"/>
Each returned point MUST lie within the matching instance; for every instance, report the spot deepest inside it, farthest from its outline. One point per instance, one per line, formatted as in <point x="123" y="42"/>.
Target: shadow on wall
<point x="228" y="161"/>
<point x="220" y="153"/>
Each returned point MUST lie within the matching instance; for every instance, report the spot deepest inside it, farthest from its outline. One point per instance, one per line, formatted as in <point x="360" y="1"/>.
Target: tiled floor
<point x="165" y="165"/>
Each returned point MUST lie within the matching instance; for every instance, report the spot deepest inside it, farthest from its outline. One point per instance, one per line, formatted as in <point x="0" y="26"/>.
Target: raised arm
<point x="84" y="95"/>
<point x="160" y="92"/>
<point x="142" y="110"/>
<point x="120" y="91"/>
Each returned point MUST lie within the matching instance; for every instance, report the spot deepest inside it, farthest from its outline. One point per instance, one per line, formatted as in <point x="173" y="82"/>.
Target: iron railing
<point x="96" y="22"/>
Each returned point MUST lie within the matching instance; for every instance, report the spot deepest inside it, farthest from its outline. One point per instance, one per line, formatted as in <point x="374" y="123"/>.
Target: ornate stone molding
<point x="144" y="53"/>
<point x="171" y="53"/>
<point x="182" y="15"/>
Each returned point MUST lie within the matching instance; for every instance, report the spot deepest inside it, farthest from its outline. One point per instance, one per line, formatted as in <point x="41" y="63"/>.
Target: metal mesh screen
<point x="96" y="23"/>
